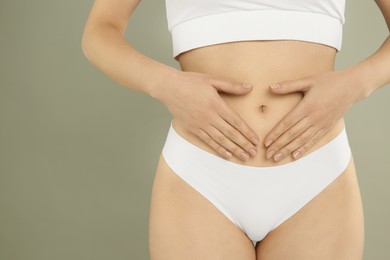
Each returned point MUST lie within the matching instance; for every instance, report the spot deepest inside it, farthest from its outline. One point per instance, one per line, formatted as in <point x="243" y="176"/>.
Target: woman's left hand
<point x="326" y="97"/>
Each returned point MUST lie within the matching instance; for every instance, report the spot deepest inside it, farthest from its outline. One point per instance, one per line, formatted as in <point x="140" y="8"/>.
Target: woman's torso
<point x="260" y="63"/>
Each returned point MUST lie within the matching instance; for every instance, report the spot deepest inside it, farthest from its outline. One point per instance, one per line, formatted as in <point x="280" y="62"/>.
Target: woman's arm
<point x="327" y="96"/>
<point x="378" y="64"/>
<point x="191" y="97"/>
<point x="104" y="46"/>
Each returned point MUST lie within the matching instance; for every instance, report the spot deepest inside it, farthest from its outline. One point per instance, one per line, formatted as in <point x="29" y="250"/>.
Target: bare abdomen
<point x="260" y="63"/>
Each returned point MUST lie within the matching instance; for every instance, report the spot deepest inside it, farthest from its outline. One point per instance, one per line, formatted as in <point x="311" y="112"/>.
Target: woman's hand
<point x="326" y="97"/>
<point x="193" y="99"/>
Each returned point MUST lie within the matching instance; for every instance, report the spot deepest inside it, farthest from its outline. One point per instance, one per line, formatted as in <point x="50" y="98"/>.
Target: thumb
<point x="290" y="86"/>
<point x="232" y="87"/>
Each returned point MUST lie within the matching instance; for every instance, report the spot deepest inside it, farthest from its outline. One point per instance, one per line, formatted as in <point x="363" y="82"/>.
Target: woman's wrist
<point x="165" y="78"/>
<point x="373" y="72"/>
<point x="362" y="79"/>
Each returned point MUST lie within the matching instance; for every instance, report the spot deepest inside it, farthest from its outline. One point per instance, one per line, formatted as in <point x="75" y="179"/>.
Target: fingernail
<point x="227" y="154"/>
<point x="296" y="154"/>
<point x="247" y="85"/>
<point x="275" y="85"/>
<point x="269" y="154"/>
<point x="268" y="142"/>
<point x="278" y="156"/>
<point x="252" y="152"/>
<point x="244" y="156"/>
<point x="255" y="141"/>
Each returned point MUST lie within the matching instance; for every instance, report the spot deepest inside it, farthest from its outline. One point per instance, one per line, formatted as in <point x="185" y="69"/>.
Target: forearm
<point x="105" y="47"/>
<point x="373" y="72"/>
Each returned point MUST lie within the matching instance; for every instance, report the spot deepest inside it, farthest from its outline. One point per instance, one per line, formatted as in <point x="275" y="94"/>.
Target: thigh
<point x="185" y="225"/>
<point x="331" y="226"/>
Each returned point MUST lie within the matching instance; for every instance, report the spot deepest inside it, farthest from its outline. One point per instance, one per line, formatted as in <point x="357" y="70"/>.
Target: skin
<point x="215" y="123"/>
<point x="327" y="97"/>
<point x="213" y="110"/>
<point x="104" y="46"/>
<point x="185" y="225"/>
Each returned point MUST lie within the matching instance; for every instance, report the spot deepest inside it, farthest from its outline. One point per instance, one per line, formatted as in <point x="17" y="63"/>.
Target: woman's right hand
<point x="193" y="99"/>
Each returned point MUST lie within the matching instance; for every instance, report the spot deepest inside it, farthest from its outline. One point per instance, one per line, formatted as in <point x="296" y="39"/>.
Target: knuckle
<point x="218" y="148"/>
<point x="219" y="138"/>
<point x="207" y="139"/>
<point x="305" y="147"/>
<point x="319" y="135"/>
<point x="222" y="151"/>
<point x="276" y="133"/>
<point x="236" y="150"/>
<point x="296" y="131"/>
<point x="310" y="142"/>
<point x="289" y="134"/>
<point x="230" y="133"/>
<point x="246" y="145"/>
<point x="283" y="125"/>
<point x="286" y="150"/>
<point x="305" y="138"/>
<point x="278" y="144"/>
<point x="290" y="148"/>
<point x="237" y="122"/>
<point x="247" y="132"/>
<point x="199" y="132"/>
<point x="242" y="142"/>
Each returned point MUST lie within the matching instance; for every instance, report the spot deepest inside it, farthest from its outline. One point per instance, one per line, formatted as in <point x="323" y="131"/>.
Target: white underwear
<point x="257" y="199"/>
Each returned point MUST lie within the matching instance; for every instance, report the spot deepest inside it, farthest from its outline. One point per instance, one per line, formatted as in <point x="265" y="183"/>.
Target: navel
<point x="263" y="108"/>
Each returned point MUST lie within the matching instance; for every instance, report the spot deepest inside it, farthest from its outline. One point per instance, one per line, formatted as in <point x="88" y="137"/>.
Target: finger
<point x="213" y="144"/>
<point x="235" y="137"/>
<point x="304" y="138"/>
<point x="290" y="86"/>
<point x="288" y="137"/>
<point x="231" y="87"/>
<point x="306" y="146"/>
<point x="228" y="144"/>
<point x="231" y="117"/>
<point x="289" y="120"/>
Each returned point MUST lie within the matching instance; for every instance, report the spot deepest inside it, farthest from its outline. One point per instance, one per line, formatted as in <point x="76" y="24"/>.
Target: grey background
<point x="78" y="152"/>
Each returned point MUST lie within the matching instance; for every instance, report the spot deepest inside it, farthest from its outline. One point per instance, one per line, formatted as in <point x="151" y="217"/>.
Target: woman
<point x="256" y="164"/>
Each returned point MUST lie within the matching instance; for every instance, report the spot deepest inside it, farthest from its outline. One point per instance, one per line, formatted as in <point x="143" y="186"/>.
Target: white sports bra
<point x="197" y="23"/>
